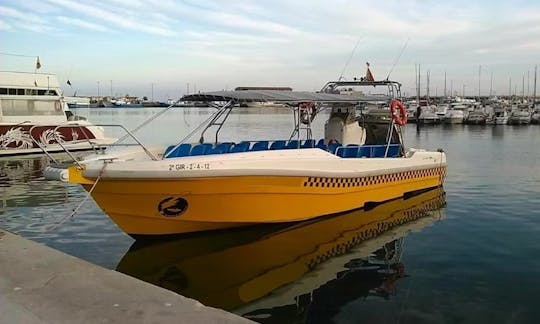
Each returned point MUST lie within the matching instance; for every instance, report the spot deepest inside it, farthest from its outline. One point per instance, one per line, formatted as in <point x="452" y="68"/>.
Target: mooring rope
<point x="76" y="209"/>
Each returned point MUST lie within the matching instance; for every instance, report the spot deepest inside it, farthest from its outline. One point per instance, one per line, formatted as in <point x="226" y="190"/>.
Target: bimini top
<point x="271" y="95"/>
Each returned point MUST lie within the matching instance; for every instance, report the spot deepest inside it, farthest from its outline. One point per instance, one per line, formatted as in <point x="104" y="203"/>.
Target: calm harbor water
<point x="473" y="260"/>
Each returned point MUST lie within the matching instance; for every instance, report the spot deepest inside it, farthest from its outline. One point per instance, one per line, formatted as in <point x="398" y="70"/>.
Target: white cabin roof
<point x="9" y="79"/>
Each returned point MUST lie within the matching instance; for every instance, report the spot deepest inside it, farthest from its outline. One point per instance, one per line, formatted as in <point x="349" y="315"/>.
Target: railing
<point x="128" y="134"/>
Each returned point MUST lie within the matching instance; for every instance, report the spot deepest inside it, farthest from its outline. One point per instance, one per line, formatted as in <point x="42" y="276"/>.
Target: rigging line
<point x="76" y="209"/>
<point x="19" y="55"/>
<point x="398" y="57"/>
<point x="349" y="59"/>
<point x="146" y="122"/>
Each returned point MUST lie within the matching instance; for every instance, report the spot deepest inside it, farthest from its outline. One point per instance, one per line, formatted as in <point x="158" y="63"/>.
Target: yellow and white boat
<point x="197" y="187"/>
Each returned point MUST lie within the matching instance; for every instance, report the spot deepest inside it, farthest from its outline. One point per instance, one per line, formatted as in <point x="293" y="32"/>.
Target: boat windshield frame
<point x="226" y="101"/>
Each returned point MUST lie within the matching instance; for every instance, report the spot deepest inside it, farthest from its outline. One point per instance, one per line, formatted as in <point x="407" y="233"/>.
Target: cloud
<point x="119" y="20"/>
<point x="4" y="26"/>
<point x="81" y="23"/>
<point x="20" y="16"/>
<point x="38" y="6"/>
<point x="25" y="20"/>
<point x="300" y="40"/>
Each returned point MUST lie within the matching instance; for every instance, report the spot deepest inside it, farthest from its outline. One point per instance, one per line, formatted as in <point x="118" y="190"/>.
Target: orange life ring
<point x="401" y="117"/>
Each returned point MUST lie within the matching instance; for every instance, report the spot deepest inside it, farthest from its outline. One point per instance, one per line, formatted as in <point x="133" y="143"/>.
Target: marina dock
<point x="41" y="285"/>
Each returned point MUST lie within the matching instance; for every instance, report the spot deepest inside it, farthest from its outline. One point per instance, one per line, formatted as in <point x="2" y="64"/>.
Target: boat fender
<point x="52" y="173"/>
<point x="400" y="115"/>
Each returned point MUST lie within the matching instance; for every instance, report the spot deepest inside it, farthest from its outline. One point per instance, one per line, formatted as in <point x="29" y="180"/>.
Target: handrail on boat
<point x="128" y="133"/>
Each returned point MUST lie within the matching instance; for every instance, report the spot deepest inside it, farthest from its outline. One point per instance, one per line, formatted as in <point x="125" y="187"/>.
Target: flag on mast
<point x="38" y="64"/>
<point x="69" y="83"/>
<point x="369" y="75"/>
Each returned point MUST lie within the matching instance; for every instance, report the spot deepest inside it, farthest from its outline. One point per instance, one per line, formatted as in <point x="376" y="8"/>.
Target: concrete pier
<point x="42" y="285"/>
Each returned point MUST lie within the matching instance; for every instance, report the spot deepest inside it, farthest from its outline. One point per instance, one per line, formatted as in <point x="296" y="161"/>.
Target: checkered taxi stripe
<point x="323" y="182"/>
<point x="370" y="231"/>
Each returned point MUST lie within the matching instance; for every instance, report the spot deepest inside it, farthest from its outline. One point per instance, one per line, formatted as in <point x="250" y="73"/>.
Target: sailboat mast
<point x="416" y="80"/>
<point x="479" y="79"/>
<point x="444" y="83"/>
<point x="523" y="88"/>
<point x="491" y="85"/>
<point x="418" y="86"/>
<point x="528" y="85"/>
<point x="427" y="85"/>
<point x="534" y="90"/>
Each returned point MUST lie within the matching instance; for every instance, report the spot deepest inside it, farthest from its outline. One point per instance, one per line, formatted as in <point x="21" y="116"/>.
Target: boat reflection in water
<point x="21" y="185"/>
<point x="272" y="272"/>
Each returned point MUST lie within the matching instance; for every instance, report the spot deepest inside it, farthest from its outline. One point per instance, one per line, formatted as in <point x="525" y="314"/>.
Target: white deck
<point x="292" y="162"/>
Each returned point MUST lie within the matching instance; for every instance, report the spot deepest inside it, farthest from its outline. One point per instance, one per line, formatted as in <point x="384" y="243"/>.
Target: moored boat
<point x="535" y="116"/>
<point x="195" y="187"/>
<point x="34" y="117"/>
<point x="520" y="115"/>
<point x="500" y="115"/>
<point x="476" y="117"/>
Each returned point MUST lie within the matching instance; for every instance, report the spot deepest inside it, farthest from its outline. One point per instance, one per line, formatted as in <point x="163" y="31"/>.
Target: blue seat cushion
<point x="181" y="150"/>
<point x="278" y="145"/>
<point x="200" y="149"/>
<point x="293" y="144"/>
<point x="308" y="143"/>
<point x="347" y="151"/>
<point x="260" y="146"/>
<point x="332" y="147"/>
<point x="240" y="147"/>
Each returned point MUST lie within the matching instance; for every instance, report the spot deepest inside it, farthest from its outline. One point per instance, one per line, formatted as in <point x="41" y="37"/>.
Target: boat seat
<point x="349" y="151"/>
<point x="378" y="151"/>
<point x="293" y="144"/>
<point x="309" y="143"/>
<point x="240" y="147"/>
<point x="260" y="146"/>
<point x="322" y="145"/>
<point x="181" y="150"/>
<point x="364" y="151"/>
<point x="200" y="149"/>
<point x="332" y="147"/>
<point x="278" y="145"/>
<point x="393" y="150"/>
<point x="220" y="148"/>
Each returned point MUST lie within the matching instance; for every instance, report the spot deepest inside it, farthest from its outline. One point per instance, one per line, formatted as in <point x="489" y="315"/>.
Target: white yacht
<point x="500" y="115"/>
<point x="34" y="117"/>
<point x="428" y="114"/>
<point x="476" y="117"/>
<point x="535" y="117"/>
<point x="455" y="114"/>
<point x="520" y="115"/>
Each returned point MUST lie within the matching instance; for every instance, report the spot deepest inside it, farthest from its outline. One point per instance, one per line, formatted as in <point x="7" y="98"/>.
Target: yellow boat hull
<point x="182" y="205"/>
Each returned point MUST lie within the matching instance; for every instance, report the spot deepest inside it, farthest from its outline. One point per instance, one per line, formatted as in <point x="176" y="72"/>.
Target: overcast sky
<point x="214" y="45"/>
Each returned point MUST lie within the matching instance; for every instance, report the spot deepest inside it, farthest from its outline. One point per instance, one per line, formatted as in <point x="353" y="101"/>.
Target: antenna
<point x="349" y="59"/>
<point x="398" y="57"/>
